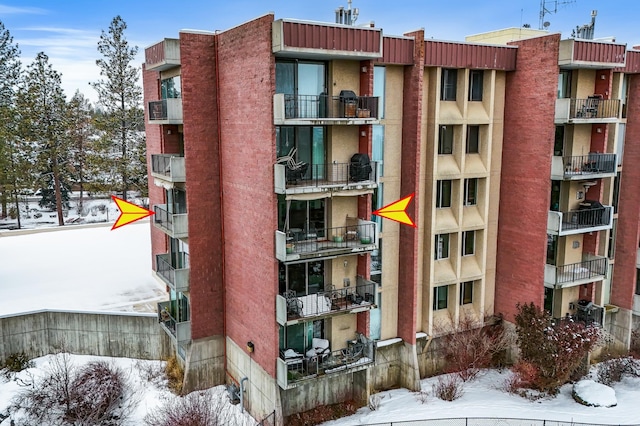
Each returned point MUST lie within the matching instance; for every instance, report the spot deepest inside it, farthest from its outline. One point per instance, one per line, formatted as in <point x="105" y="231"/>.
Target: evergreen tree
<point x="42" y="106"/>
<point x="120" y="98"/>
<point x="9" y="76"/>
<point x="80" y="133"/>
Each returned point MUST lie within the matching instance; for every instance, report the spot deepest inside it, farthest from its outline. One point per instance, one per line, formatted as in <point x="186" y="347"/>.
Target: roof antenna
<point x="347" y="16"/>
<point x="552" y="8"/>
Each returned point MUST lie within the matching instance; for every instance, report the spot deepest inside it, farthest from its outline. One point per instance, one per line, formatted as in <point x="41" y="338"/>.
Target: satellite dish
<point x="546" y="24"/>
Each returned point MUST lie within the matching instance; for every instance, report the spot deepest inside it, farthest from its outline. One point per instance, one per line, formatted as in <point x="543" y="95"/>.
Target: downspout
<point x="224" y="282"/>
<point x="244" y="379"/>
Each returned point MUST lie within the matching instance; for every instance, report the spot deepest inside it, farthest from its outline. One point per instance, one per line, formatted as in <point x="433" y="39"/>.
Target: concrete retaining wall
<point x="132" y="335"/>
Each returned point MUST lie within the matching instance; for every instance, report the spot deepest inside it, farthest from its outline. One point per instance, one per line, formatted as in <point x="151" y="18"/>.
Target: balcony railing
<point x="181" y="331"/>
<point x="594" y="268"/>
<point x="177" y="277"/>
<point x="324" y="109"/>
<point x="591" y="110"/>
<point x="315" y="243"/>
<point x="169" y="167"/>
<point x="324" y="177"/>
<point x="291" y="308"/>
<point x="166" y="111"/>
<point x="358" y="355"/>
<point x="175" y="225"/>
<point x="590" y="166"/>
<point x="580" y="221"/>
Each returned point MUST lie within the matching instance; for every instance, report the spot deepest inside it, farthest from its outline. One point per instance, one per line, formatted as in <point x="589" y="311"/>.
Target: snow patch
<point x="592" y="394"/>
<point x="383" y="343"/>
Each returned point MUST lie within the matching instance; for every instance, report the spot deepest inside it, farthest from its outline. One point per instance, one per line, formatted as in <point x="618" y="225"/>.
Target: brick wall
<point x="409" y="183"/>
<point x="525" y="183"/>
<point x="624" y="274"/>
<point x="201" y="148"/>
<point x="247" y="86"/>
<point x="151" y="91"/>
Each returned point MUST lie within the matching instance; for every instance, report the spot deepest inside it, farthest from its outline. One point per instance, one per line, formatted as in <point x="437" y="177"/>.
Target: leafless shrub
<point x="151" y="371"/>
<point x="97" y="394"/>
<point x="374" y="401"/>
<point x="613" y="370"/>
<point x="473" y="345"/>
<point x="422" y="396"/>
<point x="448" y="387"/>
<point x="175" y="374"/>
<point x="194" y="409"/>
<point x="635" y="342"/>
<point x="524" y="375"/>
<point x="15" y="363"/>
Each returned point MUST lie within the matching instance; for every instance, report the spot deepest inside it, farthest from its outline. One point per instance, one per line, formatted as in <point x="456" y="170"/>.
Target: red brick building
<point x="271" y="143"/>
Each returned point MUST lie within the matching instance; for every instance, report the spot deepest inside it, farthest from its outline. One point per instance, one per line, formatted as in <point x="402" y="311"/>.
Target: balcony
<point x="594" y="109"/>
<point x="180" y="331"/>
<point x="328" y="242"/>
<point x="324" y="178"/>
<point x="163" y="55"/>
<point x="174" y="225"/>
<point x="165" y="111"/>
<point x="292" y="309"/>
<point x="580" y="221"/>
<point x="176" y="277"/>
<point x="294" y="368"/>
<point x="168" y="168"/>
<point x="582" y="167"/>
<point x="323" y="110"/>
<point x="593" y="268"/>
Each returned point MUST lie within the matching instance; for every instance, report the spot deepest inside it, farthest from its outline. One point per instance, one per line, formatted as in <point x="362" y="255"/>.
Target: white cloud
<point x="12" y="10"/>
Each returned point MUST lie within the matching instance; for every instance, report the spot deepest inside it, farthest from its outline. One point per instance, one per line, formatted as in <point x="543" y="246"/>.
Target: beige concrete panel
<point x="586" y="79"/>
<point x="342" y="143"/>
<point x="580" y="144"/>
<point x="389" y="317"/>
<point x="447" y="167"/>
<point x="444" y="270"/>
<point x="450" y="112"/>
<point x="394" y="84"/>
<point x="443" y="321"/>
<point x="477" y="112"/>
<point x="446" y="221"/>
<point x="344" y="75"/>
<point x="340" y="208"/>
<point x="617" y="86"/>
<point x="470" y="313"/>
<point x="505" y="36"/>
<point x="472" y="217"/>
<point x="470" y="268"/>
<point x="565" y="296"/>
<point x="565" y="53"/>
<point x="342" y="329"/>
<point x="488" y="293"/>
<point x="567" y="254"/>
<point x="474" y="166"/>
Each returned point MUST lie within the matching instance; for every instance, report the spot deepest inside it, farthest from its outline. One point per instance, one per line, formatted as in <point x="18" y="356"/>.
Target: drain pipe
<point x="244" y="379"/>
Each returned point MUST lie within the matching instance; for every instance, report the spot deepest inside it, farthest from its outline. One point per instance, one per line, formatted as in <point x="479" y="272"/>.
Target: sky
<point x="68" y="30"/>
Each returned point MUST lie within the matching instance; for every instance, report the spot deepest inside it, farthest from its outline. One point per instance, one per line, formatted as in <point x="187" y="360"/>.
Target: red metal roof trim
<point x="589" y="51"/>
<point x="466" y="55"/>
<point x="154" y="54"/>
<point x="317" y="36"/>
<point x="396" y="51"/>
<point x="633" y="63"/>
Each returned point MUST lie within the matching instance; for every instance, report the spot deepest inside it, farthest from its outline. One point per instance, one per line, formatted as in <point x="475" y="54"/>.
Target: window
<point x="442" y="246"/>
<point x="473" y="139"/>
<point x="378" y="87"/>
<point x="377" y="203"/>
<point x="638" y="282"/>
<point x="468" y="243"/>
<point x="552" y="248"/>
<point x="611" y="250"/>
<point x="466" y="292"/>
<point x="378" y="147"/>
<point x="302" y="278"/>
<point x="471" y="192"/>
<point x="558" y="143"/>
<point x="440" y="296"/>
<point x="616" y="192"/>
<point x="476" y="78"/>
<point x="443" y="193"/>
<point x="448" y="84"/>
<point x="564" y="84"/>
<point x="170" y="88"/>
<point x="445" y="140"/>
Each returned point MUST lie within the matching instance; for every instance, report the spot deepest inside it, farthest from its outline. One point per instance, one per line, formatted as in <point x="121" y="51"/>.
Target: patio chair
<point x="295" y="170"/>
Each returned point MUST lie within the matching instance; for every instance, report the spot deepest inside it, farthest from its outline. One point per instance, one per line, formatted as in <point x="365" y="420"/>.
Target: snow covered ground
<point x="485" y="397"/>
<point x="78" y="268"/>
<point x="150" y="395"/>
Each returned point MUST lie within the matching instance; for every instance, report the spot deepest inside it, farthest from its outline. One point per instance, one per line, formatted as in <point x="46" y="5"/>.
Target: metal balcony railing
<point x="173" y="223"/>
<point x="318" y="176"/>
<point x="359" y="354"/>
<point x="594" y="107"/>
<point x="324" y="106"/>
<point x="169" y="166"/>
<point x="175" y="273"/>
<point x="589" y="165"/>
<point x="166" y="110"/>
<point x="330" y="238"/>
<point x="181" y="331"/>
<point x="579" y="221"/>
<point x="593" y="268"/>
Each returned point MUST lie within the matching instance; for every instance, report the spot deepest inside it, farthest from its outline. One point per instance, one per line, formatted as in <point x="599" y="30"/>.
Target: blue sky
<point x="68" y="30"/>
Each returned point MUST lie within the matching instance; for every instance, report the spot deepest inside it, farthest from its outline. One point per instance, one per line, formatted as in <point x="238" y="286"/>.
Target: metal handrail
<point x="158" y="110"/>
<point x="331" y="238"/>
<point x="594" y="107"/>
<point x="586" y="218"/>
<point x="331" y="174"/>
<point x="161" y="163"/>
<point x="594" y="163"/>
<point x="166" y="269"/>
<point x="324" y="106"/>
<point x="581" y="270"/>
<point x="326" y="302"/>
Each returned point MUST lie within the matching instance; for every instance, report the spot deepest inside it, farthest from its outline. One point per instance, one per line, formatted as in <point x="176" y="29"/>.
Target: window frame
<point x="448" y="90"/>
<point x="469" y="198"/>
<point x="476" y="142"/>
<point x="464" y="286"/>
<point x="443" y="253"/>
<point x="637" y="282"/>
<point x="440" y="303"/>
<point x="468" y="247"/>
<point x="475" y="75"/>
<point x="441" y="194"/>
<point x="445" y="140"/>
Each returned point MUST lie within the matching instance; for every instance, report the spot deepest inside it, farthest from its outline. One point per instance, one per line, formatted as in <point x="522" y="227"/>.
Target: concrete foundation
<point x="409" y="368"/>
<point x="386" y="372"/>
<point x="204" y="365"/>
<point x="44" y="332"/>
<point x="619" y="325"/>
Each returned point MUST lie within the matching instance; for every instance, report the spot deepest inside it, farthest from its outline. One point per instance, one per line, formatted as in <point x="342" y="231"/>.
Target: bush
<point x="374" y="401"/>
<point x="195" y="409"/>
<point x="635" y="343"/>
<point x="613" y="370"/>
<point x="16" y="363"/>
<point x="524" y="375"/>
<point x="556" y="349"/>
<point x="471" y="346"/>
<point x="175" y="375"/>
<point x="448" y="387"/>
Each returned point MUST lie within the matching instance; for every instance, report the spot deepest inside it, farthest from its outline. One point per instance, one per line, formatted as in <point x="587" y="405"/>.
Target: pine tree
<point x="120" y="98"/>
<point x="10" y="70"/>
<point x="80" y="133"/>
<point x="42" y="105"/>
